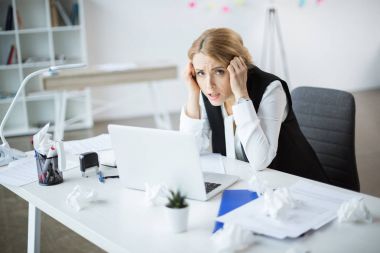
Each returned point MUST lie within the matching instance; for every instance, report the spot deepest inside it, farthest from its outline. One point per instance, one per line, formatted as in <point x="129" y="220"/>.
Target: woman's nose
<point x="210" y="82"/>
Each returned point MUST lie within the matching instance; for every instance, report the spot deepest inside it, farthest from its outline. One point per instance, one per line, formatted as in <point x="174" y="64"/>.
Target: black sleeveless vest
<point x="294" y="154"/>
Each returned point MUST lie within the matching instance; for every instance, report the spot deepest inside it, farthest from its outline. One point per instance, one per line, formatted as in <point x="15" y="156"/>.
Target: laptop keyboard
<point x="210" y="186"/>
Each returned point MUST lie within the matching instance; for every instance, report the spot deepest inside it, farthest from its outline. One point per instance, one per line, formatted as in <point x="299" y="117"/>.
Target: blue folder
<point x="232" y="199"/>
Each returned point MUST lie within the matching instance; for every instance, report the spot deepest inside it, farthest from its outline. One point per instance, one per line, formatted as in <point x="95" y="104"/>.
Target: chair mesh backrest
<point x="327" y="119"/>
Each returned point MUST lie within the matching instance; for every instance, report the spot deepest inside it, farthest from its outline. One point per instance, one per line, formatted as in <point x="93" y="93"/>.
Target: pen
<point x="102" y="178"/>
<point x="51" y="153"/>
<point x="47" y="177"/>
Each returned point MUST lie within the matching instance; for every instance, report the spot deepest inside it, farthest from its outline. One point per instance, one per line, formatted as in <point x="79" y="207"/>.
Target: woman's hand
<point x="192" y="105"/>
<point x="190" y="79"/>
<point x="238" y="77"/>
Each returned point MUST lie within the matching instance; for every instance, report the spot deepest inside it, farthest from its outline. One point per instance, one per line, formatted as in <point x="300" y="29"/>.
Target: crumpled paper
<point x="278" y="202"/>
<point x="155" y="193"/>
<point x="354" y="210"/>
<point x="232" y="238"/>
<point x="80" y="198"/>
<point x="256" y="184"/>
<point x="42" y="140"/>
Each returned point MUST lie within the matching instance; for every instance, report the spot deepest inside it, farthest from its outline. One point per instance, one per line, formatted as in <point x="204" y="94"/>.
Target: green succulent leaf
<point x="176" y="200"/>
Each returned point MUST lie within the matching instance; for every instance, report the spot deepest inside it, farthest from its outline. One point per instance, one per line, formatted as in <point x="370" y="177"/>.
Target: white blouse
<point x="257" y="132"/>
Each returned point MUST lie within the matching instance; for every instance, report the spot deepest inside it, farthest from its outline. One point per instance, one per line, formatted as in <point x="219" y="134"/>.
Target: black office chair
<point x="327" y="119"/>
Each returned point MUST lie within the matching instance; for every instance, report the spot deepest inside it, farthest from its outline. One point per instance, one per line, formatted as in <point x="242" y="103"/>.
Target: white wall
<point x="336" y="44"/>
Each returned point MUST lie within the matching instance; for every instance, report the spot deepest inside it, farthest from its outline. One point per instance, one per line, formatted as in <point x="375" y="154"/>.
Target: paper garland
<point x="227" y="5"/>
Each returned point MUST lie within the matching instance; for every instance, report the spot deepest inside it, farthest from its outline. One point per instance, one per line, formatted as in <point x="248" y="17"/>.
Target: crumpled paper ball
<point x="232" y="238"/>
<point x="155" y="193"/>
<point x="354" y="210"/>
<point x="278" y="202"/>
<point x="256" y="184"/>
<point x="80" y="197"/>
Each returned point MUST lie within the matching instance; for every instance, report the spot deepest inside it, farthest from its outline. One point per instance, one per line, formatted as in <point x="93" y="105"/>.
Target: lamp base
<point x="8" y="155"/>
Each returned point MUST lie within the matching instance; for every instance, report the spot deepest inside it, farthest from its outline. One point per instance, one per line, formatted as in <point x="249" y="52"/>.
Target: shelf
<point x="11" y="32"/>
<point x="9" y="67"/>
<point x="36" y="64"/>
<point x="43" y="111"/>
<point x="43" y="95"/>
<point x="67" y="43"/>
<point x="4" y="101"/>
<point x="33" y="30"/>
<point x="18" y="131"/>
<point x="10" y="81"/>
<point x="41" y="45"/>
<point x="66" y="28"/>
<point x="17" y="116"/>
<point x="35" y="46"/>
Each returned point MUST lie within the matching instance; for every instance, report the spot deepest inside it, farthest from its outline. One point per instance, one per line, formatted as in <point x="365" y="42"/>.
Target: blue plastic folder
<point x="232" y="199"/>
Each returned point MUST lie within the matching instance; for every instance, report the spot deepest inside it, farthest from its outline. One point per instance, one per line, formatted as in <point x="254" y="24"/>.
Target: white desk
<point x="121" y="222"/>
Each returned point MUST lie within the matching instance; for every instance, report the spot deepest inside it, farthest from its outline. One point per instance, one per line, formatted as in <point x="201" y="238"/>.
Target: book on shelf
<point x="9" y="24"/>
<point x="6" y="94"/>
<point x="12" y="56"/>
<point x="20" y="22"/>
<point x="62" y="13"/>
<point x="53" y="14"/>
<point x="74" y="16"/>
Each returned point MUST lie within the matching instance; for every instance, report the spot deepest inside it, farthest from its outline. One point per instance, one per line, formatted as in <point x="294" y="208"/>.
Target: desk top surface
<point x="93" y="76"/>
<point x="120" y="221"/>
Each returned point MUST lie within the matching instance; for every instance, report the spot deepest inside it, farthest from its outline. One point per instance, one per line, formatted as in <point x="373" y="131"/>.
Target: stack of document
<point x="316" y="206"/>
<point x="98" y="143"/>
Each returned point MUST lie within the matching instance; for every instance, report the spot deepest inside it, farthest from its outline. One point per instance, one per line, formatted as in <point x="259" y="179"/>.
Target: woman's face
<point x="213" y="78"/>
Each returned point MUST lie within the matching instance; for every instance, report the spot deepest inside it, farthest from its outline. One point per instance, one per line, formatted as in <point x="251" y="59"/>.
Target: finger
<point x="243" y="62"/>
<point x="190" y="69"/>
<point x="239" y="63"/>
<point x="235" y="64"/>
<point x="231" y="69"/>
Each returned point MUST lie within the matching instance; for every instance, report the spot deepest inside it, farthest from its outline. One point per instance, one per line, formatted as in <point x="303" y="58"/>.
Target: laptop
<point x="171" y="158"/>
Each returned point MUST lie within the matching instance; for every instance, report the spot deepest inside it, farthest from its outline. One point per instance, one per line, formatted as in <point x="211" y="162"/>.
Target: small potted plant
<point x="177" y="211"/>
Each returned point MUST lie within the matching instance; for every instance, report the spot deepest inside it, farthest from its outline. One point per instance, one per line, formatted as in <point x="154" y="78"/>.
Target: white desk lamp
<point x="8" y="154"/>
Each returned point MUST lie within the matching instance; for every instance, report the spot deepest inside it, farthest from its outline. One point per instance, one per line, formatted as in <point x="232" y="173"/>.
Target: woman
<point x="246" y="112"/>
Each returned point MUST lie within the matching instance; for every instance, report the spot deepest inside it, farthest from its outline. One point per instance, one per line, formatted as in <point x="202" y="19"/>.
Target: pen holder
<point x="47" y="170"/>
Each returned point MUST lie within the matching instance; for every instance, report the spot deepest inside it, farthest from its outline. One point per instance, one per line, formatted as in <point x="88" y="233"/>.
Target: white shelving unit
<point x="40" y="40"/>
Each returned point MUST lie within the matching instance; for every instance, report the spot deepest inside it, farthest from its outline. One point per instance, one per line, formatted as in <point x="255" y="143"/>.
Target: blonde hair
<point x="222" y="44"/>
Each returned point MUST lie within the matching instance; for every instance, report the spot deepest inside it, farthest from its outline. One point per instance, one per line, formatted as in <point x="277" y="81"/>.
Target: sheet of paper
<point x="24" y="171"/>
<point x="98" y="143"/>
<point x="20" y="172"/>
<point x="317" y="205"/>
<point x="212" y="163"/>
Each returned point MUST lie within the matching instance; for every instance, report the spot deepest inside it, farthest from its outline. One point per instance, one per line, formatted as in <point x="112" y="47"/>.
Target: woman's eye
<point x="219" y="72"/>
<point x="200" y="73"/>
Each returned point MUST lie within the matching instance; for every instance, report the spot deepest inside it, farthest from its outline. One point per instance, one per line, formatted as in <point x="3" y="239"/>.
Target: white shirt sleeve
<point x="259" y="132"/>
<point x="199" y="127"/>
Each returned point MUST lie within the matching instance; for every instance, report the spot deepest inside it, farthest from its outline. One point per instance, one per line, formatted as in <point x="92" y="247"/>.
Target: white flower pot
<point x="177" y="218"/>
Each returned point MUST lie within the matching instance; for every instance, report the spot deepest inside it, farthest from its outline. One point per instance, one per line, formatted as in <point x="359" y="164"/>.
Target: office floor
<point x="58" y="238"/>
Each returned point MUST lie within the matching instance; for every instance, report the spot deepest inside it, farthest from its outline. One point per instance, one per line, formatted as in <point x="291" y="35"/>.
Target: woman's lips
<point x="214" y="97"/>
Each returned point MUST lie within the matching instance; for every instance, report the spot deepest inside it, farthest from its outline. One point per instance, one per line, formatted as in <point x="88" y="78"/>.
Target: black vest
<point x="294" y="154"/>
